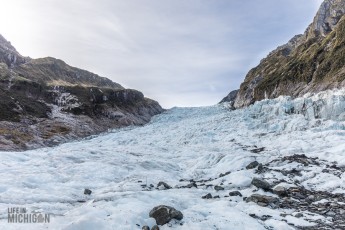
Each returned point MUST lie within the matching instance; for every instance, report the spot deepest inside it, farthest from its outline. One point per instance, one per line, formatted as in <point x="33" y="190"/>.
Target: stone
<point x="235" y="193"/>
<point x="207" y="196"/>
<point x="263" y="200"/>
<point x="164" y="214"/>
<point x="163" y="185"/>
<point x="155" y="227"/>
<point x="280" y="191"/>
<point x="87" y="191"/>
<point x="218" y="188"/>
<point x="260" y="183"/>
<point x="252" y="165"/>
<point x="145" y="227"/>
<point x="299" y="215"/>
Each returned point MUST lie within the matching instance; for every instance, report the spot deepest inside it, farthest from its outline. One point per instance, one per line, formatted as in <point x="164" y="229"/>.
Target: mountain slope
<point x="299" y="144"/>
<point x="45" y="102"/>
<point x="311" y="62"/>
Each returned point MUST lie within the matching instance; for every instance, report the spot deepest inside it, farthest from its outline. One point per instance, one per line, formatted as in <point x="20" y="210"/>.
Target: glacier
<point x="179" y="145"/>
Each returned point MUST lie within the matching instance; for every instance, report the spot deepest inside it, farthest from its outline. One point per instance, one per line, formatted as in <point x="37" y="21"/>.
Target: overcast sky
<point x="178" y="52"/>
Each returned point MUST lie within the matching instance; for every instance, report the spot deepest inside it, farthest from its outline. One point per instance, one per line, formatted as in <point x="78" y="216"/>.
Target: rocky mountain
<point x="45" y="102"/>
<point x="310" y="62"/>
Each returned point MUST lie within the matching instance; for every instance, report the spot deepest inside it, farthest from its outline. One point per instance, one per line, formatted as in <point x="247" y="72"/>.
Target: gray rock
<point x="280" y="191"/>
<point x="164" y="214"/>
<point x="207" y="196"/>
<point x="87" y="191"/>
<point x="155" y="227"/>
<point x="263" y="200"/>
<point x="145" y="227"/>
<point x="163" y="185"/>
<point x="252" y="165"/>
<point x="218" y="188"/>
<point x="235" y="193"/>
<point x="299" y="215"/>
<point x="260" y="183"/>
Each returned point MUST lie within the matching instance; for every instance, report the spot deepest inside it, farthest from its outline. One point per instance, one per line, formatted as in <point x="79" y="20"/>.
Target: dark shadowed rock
<point x="260" y="183"/>
<point x="164" y="214"/>
<point x="218" y="188"/>
<point x="87" y="191"/>
<point x="207" y="196"/>
<point x="252" y="165"/>
<point x="163" y="185"/>
<point x="235" y="193"/>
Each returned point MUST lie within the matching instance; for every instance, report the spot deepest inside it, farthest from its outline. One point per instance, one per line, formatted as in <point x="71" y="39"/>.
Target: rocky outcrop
<point x="311" y="62"/>
<point x="45" y="102"/>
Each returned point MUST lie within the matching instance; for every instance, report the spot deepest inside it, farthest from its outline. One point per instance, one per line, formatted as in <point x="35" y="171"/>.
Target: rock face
<point x="310" y="62"/>
<point x="45" y="102"/>
<point x="164" y="214"/>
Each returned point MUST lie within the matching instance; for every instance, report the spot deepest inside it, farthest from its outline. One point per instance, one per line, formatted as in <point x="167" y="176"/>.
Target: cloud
<point x="181" y="53"/>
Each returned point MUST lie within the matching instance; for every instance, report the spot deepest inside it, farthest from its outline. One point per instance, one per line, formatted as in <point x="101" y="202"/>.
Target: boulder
<point x="164" y="214"/>
<point x="87" y="191"/>
<point x="207" y="196"/>
<point x="235" y="193"/>
<point x="280" y="191"/>
<point x="252" y="165"/>
<point x="163" y="185"/>
<point x="218" y="188"/>
<point x="264" y="200"/>
<point x="260" y="183"/>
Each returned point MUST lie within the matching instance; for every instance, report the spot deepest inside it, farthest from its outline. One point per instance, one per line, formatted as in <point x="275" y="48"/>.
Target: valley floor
<point x="300" y="144"/>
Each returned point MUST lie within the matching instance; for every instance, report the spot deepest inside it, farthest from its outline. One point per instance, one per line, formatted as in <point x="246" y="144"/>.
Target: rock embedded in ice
<point x="260" y="183"/>
<point x="164" y="214"/>
<point x="235" y="193"/>
<point x="207" y="196"/>
<point x="145" y="227"/>
<point x="87" y="191"/>
<point x="218" y="188"/>
<point x="163" y="185"/>
<point x="252" y="165"/>
<point x="155" y="227"/>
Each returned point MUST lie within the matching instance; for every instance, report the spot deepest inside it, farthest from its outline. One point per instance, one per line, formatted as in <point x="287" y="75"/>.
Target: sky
<point x="178" y="52"/>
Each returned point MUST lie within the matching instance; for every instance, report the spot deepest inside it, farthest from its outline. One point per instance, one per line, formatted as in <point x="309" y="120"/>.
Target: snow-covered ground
<point x="182" y="143"/>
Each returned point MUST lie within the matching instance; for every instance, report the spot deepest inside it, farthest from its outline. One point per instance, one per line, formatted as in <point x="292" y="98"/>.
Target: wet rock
<point x="155" y="227"/>
<point x="252" y="165"/>
<point x="163" y="185"/>
<point x="145" y="227"/>
<point x="235" y="193"/>
<point x="264" y="200"/>
<point x="260" y="183"/>
<point x="164" y="214"/>
<point x="218" y="188"/>
<point x="207" y="196"/>
<point x="280" y="191"/>
<point x="87" y="191"/>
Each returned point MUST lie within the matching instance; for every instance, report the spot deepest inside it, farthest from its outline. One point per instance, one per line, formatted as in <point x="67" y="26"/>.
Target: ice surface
<point x="182" y="143"/>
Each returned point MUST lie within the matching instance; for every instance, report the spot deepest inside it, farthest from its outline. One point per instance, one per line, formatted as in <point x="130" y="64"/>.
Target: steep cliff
<point x="45" y="102"/>
<point x="310" y="62"/>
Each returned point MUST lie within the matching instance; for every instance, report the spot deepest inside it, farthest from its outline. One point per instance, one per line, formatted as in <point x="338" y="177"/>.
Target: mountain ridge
<point x="45" y="102"/>
<point x="308" y="63"/>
